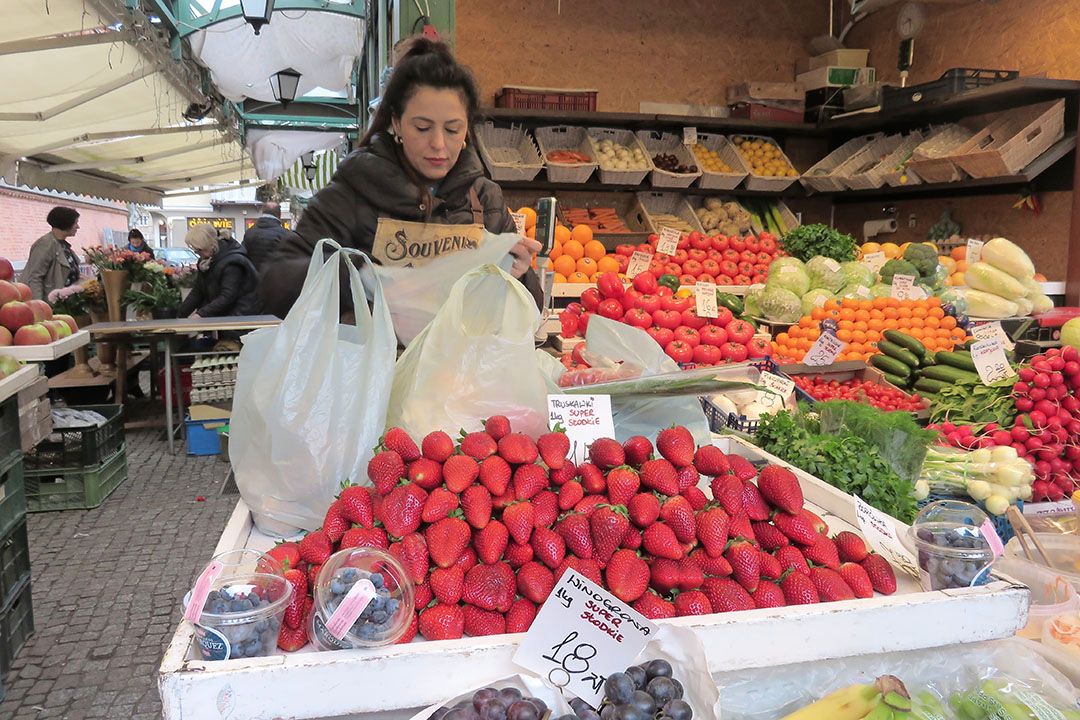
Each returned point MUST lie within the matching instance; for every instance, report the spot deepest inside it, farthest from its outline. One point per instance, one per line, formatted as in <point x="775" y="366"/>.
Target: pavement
<point x="107" y="585"/>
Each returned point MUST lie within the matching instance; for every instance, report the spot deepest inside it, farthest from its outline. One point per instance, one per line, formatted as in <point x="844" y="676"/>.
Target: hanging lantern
<point x="284" y="84"/>
<point x="308" y="159"/>
<point x="310" y="172"/>
<point x="257" y="12"/>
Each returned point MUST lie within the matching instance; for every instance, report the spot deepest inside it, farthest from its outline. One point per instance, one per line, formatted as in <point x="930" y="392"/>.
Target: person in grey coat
<point x="52" y="263"/>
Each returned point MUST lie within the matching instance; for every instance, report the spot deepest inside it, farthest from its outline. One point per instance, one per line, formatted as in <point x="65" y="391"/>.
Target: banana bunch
<point x="886" y="699"/>
<point x="995" y="699"/>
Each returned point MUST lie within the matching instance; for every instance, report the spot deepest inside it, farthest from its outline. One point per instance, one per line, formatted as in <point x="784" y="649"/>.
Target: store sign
<point x="779" y="389"/>
<point x="585" y="418"/>
<point x="250" y="223"/>
<point x="990" y="361"/>
<point x="689" y="136"/>
<point x="218" y="223"/>
<point x="987" y="330"/>
<point x="903" y="287"/>
<point x="874" y="260"/>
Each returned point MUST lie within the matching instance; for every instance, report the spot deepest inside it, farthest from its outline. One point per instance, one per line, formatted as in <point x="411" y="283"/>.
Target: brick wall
<point x="22" y="221"/>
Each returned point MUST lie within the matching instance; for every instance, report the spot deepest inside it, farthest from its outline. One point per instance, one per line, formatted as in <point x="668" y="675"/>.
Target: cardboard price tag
<point x="519" y="222"/>
<point x="581" y="635"/>
<point x="689" y="136"/>
<point x="669" y="241"/>
<point x="585" y="419"/>
<point x="824" y="350"/>
<point x="778" y="392"/>
<point x="990" y="361"/>
<point x="973" y="253"/>
<point x="639" y="263"/>
<point x="903" y="286"/>
<point x="880" y="534"/>
<point x="863" y="293"/>
<point x="985" y="331"/>
<point x="705" y="297"/>
<point x="874" y="260"/>
<point x="1061" y="507"/>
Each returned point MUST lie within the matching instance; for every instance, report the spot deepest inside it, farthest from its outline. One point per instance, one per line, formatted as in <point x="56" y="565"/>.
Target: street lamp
<point x="284" y="84"/>
<point x="309" y="173"/>
<point x="257" y="12"/>
<point x="308" y="159"/>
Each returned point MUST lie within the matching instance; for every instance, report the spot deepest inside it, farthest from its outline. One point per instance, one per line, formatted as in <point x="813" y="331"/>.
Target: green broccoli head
<point x="897" y="267"/>
<point x="923" y="257"/>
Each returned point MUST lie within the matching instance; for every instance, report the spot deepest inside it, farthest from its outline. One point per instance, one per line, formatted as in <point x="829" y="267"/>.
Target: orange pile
<point x="862" y="322"/>
<point x="577" y="258"/>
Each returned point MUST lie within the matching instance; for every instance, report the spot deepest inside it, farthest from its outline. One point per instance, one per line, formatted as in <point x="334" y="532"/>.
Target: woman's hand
<point x="523" y="253"/>
<point x="195" y="316"/>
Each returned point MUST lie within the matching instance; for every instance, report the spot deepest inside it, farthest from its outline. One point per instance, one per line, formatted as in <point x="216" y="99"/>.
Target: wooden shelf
<point x="98" y="378"/>
<point x="795" y="190"/>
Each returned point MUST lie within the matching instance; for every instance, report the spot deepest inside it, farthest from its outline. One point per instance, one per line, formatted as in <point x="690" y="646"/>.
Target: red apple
<point x="54" y="334"/>
<point x="42" y="310"/>
<point x="24" y="291"/>
<point x="15" y="314"/>
<point x="32" y="335"/>
<point x="61" y="327"/>
<point x="5" y="336"/>
<point x="8" y="292"/>
<point x="70" y="321"/>
<point x="6" y="271"/>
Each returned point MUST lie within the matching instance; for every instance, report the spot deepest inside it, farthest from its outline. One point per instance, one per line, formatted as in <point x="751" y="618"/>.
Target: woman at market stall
<point x="416" y="174"/>
<point x="226" y="282"/>
<point x="137" y="243"/>
<point x="53" y="264"/>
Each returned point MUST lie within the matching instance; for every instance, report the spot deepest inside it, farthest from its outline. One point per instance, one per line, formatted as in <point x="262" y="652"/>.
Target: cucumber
<point x="890" y="365"/>
<point x="905" y="341"/>
<point x="928" y="360"/>
<point x="896" y="380"/>
<point x="899" y="352"/>
<point x="930" y="385"/>
<point x="949" y="374"/>
<point x="960" y="360"/>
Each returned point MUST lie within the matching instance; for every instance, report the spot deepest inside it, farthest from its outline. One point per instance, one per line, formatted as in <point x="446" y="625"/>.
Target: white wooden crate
<point x="51" y="351"/>
<point x="395" y="679"/>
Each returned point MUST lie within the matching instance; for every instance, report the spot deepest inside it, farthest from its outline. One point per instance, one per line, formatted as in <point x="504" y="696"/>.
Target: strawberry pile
<point x="486" y="527"/>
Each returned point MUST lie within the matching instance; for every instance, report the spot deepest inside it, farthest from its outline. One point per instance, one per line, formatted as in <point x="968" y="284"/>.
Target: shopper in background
<point x="136" y="243"/>
<point x="52" y="263"/>
<point x="226" y="282"/>
<point x="414" y="164"/>
<point x="261" y="240"/>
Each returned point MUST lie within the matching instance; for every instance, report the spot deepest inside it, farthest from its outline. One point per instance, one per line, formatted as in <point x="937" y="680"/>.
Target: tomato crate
<point x="12" y="496"/>
<point x="16" y="625"/>
<point x="81" y="447"/>
<point x="14" y="562"/>
<point x="74" y="488"/>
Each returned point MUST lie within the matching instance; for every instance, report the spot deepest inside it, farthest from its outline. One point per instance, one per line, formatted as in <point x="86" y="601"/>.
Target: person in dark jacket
<point x="414" y="164"/>
<point x="137" y="243"/>
<point x="226" y="283"/>
<point x="261" y="239"/>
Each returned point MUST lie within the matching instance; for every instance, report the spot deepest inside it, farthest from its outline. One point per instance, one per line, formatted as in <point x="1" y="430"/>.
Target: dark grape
<point x="483" y="695"/>
<point x="580" y="707"/>
<point x="619" y="688"/>
<point x="631" y="712"/>
<point x="658" y="668"/>
<point x="588" y="714"/>
<point x="493" y="709"/>
<point x="644" y="702"/>
<point x="678" y="710"/>
<point x="678" y="688"/>
<point x="522" y="710"/>
<point x="510" y="695"/>
<point x="637" y="674"/>
<point x="607" y="712"/>
<point x="662" y="689"/>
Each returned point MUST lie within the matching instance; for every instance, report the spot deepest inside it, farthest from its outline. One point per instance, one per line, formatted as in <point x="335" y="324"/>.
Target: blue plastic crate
<point x="202" y="436"/>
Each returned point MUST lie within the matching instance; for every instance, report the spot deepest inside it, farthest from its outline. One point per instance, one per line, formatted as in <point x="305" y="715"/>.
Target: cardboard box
<point x="844" y="57"/>
<point x="835" y="76"/>
<point x="765" y="91"/>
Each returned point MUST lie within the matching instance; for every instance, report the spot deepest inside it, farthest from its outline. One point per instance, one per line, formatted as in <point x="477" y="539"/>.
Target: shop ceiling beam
<point x="175" y="176"/>
<point x="185" y="183"/>
<point x="162" y="8"/>
<point x="58" y="42"/>
<point x="42" y="116"/>
<point x="138" y="160"/>
<point x="119" y="135"/>
<point x="214" y="188"/>
<point x="192" y="19"/>
<point x="186" y="180"/>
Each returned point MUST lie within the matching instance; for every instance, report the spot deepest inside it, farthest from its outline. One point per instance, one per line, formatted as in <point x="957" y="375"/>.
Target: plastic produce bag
<point x="415" y="294"/>
<point x="475" y="359"/>
<point x="527" y="685"/>
<point x="310" y="401"/>
<point x="681" y="647"/>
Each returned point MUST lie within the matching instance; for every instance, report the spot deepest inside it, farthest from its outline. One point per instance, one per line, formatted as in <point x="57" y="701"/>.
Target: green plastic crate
<point x="12" y="496"/>
<point x="16" y="626"/>
<point x="10" y="442"/>
<point x="79" y="447"/>
<point x="14" y="562"/>
<point x="74" y="488"/>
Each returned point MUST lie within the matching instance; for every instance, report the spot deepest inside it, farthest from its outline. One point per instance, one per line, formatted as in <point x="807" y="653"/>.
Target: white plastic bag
<point x="310" y="401"/>
<point x="682" y="648"/>
<point x="475" y="359"/>
<point x="415" y="294"/>
<point x="528" y="685"/>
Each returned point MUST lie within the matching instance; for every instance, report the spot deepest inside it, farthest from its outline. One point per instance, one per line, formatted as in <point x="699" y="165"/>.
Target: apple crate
<point x="656" y="142"/>
<point x="733" y="641"/>
<point x="823" y="175"/>
<point x="867" y="170"/>
<point x="566" y="137"/>
<point x="727" y="152"/>
<point x="509" y="153"/>
<point x="626" y="138"/>
<point x="762" y="182"/>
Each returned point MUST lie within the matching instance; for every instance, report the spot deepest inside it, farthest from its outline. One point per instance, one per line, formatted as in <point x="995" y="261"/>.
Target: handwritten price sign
<point x="990" y="360"/>
<point x="705" y="298"/>
<point x="879" y="531"/>
<point x="519" y="222"/>
<point x="824" y="350"/>
<point x="639" y="263"/>
<point x="988" y="330"/>
<point x="669" y="241"/>
<point x="585" y="419"/>
<point x="874" y="260"/>
<point x="581" y="635"/>
<point x="973" y="252"/>
<point x="689" y="136"/>
<point x="903" y="287"/>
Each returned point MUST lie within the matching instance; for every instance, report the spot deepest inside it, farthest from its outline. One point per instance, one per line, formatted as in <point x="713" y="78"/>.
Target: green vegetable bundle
<point x="807" y="241"/>
<point x="969" y="402"/>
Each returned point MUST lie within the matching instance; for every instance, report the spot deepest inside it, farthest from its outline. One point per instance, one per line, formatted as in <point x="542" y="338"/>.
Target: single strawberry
<point x="520" y="616"/>
<point x="830" y="586"/>
<point x="587" y="568"/>
<point x="442" y="622"/>
<point x="851" y="547"/>
<point x="518" y="449"/>
<point x="476" y="505"/>
<point x="355" y="503"/>
<point x="294" y="611"/>
<point x="819" y="525"/>
<point x="798" y="588"/>
<point x="425" y="473"/>
<point x="678" y="514"/>
<point x="823" y="552"/>
<point x="622" y="483"/>
<point x="292" y="639"/>
<point x="553" y="447"/>
<point x="606" y="453"/>
<point x="479" y="623"/>
<point x="608" y="526"/>
<point x="535" y="582"/>
<point x="743" y="468"/>
<point x="663" y="575"/>
<point x="334" y="523"/>
<point x="637" y="450"/>
<point x="726" y="595"/>
<point x="592" y="479"/>
<point x="528" y="480"/>
<point x="696" y="497"/>
<point x="661" y="476"/>
<point x="627" y="575"/>
<point x="633" y="539"/>
<point x="710" y="566"/>
<point x="753" y="504"/>
<point x="711" y="460"/>
<point x="769" y="536"/>
<point x="459" y="472"/>
<point x="711" y="529"/>
<point x="364" y="537"/>
<point x="376" y="501"/>
<point x="857" y="579"/>
<point x="385" y="469"/>
<point x="791" y="558"/>
<point x="412" y="552"/>
<point x="501" y="502"/>
<point x="589" y="503"/>
<point x="745" y="562"/>
<point x="659" y="541"/>
<point x="313" y="573"/>
<point x="643" y="509"/>
<point x="693" y="602"/>
<point x="570" y="494"/>
<point x="739" y="527"/>
<point x="768" y="595"/>
<point x="497" y="426"/>
<point x="402" y="509"/>
<point x="796" y="527"/>
<point x="676" y="445"/>
<point x="490" y="542"/>
<point x="690" y="574"/>
<point x="399" y="441"/>
<point x="566" y="473"/>
<point x="437" y="446"/>
<point x="447" y="539"/>
<point x="574" y="530"/>
<point x="423" y="595"/>
<point x="780" y="488"/>
<point x="880" y="572"/>
<point x="315" y="547"/>
<point x="468" y="560"/>
<point x="287" y="555"/>
<point x="548" y="546"/>
<point x="490" y="587"/>
<point x="517" y="554"/>
<point x="686" y="477"/>
<point x="727" y="490"/>
<point x="410" y="631"/>
<point x="654" y="607"/>
<point x="520" y="519"/>
<point x="545" y="508"/>
<point x="439" y="504"/>
<point x="770" y="566"/>
<point x="478" y="445"/>
<point x="495" y="475"/>
<point x="447" y="584"/>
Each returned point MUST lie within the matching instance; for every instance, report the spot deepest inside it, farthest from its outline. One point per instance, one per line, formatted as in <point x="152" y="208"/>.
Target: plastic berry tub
<point x="245" y="597"/>
<point x="363" y="598"/>
<point x="952" y="541"/>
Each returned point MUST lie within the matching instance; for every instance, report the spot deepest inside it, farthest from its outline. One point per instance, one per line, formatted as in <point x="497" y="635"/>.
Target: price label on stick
<point x="880" y="533"/>
<point x="639" y="263"/>
<point x="581" y="635"/>
<point x="985" y="331"/>
<point x="903" y="286"/>
<point x="519" y="222"/>
<point x="705" y="297"/>
<point x="824" y="350"/>
<point x="669" y="241"/>
<point x="689" y="136"/>
<point x="973" y="254"/>
<point x="990" y="361"/>
<point x="585" y="419"/>
<point x="874" y="260"/>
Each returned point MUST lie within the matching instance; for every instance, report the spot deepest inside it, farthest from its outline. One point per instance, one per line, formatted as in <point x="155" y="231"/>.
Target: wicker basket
<point x="769" y="184"/>
<point x="727" y="153"/>
<point x="932" y="160"/>
<point x="509" y="153"/>
<point x="823" y="176"/>
<point x="866" y="169"/>
<point x="1009" y="146"/>
<point x="650" y="204"/>
<point x="697" y="202"/>
<point x="656" y="142"/>
<point x="626" y="138"/>
<point x="565" y="137"/>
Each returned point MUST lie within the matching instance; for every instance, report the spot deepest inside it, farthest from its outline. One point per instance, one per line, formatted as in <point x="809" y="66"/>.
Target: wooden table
<point x="168" y="331"/>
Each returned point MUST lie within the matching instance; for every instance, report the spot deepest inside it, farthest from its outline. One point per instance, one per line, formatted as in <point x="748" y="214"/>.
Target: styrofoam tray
<point x="40" y="353"/>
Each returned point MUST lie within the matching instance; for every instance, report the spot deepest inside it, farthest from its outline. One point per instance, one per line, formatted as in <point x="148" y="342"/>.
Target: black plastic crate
<point x="14" y="562"/>
<point x="12" y="496"/>
<point x="10" y="444"/>
<point x="951" y="82"/>
<point x="16" y="626"/>
<point x="81" y="447"/>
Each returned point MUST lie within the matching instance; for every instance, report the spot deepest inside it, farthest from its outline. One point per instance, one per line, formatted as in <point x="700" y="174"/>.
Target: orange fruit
<point x="847" y="313"/>
<point x="562" y="233"/>
<point x="959" y="253"/>
<point x="948" y="322"/>
<point x="564" y="265"/>
<point x="587" y="265"/>
<point x="935" y="312"/>
<point x="574" y="249"/>
<point x="830" y="304"/>
<point x="782" y="338"/>
<point x="595" y="278"/>
<point x="891" y="313"/>
<point x="860" y="325"/>
<point x="559" y="278"/>
<point x="858" y="336"/>
<point x="556" y="250"/>
<point x="577" y="277"/>
<point x="851" y="303"/>
<point x="931" y="322"/>
<point x="817" y="314"/>
<point x="903" y="311"/>
<point x="595" y="249"/>
<point x="530" y="216"/>
<point x="531" y="233"/>
<point x="581" y="233"/>
<point x="607" y="264"/>
<point x="844" y="335"/>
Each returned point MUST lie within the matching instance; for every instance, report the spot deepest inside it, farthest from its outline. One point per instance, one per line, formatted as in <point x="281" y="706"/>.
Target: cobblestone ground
<point x="107" y="585"/>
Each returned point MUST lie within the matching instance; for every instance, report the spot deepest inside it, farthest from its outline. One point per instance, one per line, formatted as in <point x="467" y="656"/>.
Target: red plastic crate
<point x="525" y="98"/>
